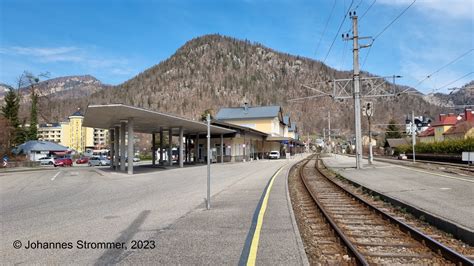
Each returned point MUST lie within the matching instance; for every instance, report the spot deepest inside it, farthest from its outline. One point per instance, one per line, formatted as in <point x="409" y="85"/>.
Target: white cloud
<point x="460" y="9"/>
<point x="46" y="54"/>
<point x="70" y="54"/>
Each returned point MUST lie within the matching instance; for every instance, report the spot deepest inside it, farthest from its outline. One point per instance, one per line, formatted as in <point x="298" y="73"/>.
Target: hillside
<point x="52" y="92"/>
<point x="214" y="71"/>
<point x="460" y="96"/>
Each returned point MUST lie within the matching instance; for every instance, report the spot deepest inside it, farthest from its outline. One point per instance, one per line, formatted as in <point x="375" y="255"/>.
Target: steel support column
<point x="181" y="146"/>
<point x="112" y="146"/>
<point x="122" y="146"/>
<point x="170" y="142"/>
<point x="222" y="148"/>
<point x="161" y="162"/>
<point x="153" y="149"/>
<point x="115" y="159"/>
<point x="130" y="145"/>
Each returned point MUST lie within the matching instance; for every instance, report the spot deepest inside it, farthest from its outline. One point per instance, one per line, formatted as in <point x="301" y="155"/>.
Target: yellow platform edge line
<point x="256" y="236"/>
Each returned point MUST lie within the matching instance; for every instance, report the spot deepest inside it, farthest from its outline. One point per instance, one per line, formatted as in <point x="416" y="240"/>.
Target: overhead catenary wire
<point x="443" y="67"/>
<point x="367" y="10"/>
<point x="395" y="19"/>
<point x="338" y="30"/>
<point x="325" y="28"/>
<point x="385" y="29"/>
<point x="453" y="81"/>
<point x="363" y="15"/>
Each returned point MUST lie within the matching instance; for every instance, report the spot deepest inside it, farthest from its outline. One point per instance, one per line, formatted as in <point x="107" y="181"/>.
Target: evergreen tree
<point x="11" y="107"/>
<point x="10" y="112"/>
<point x="393" y="131"/>
<point x="33" y="131"/>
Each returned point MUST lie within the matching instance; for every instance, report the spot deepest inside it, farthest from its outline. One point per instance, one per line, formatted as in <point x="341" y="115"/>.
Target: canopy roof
<point x="145" y="121"/>
<point x="37" y="145"/>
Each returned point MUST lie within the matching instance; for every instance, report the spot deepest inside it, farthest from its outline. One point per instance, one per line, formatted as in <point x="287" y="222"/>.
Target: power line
<point x="444" y="66"/>
<point x="343" y="55"/>
<point x="367" y="55"/>
<point x="454" y="81"/>
<point x="393" y="21"/>
<point x="357" y="6"/>
<point x="325" y="28"/>
<point x="367" y="10"/>
<point x="338" y="30"/>
<point x="384" y="29"/>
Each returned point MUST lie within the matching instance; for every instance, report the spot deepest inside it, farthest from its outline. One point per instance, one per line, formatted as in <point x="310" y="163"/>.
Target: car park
<point x="46" y="160"/>
<point x="62" y="162"/>
<point x="98" y="161"/>
<point x="274" y="155"/>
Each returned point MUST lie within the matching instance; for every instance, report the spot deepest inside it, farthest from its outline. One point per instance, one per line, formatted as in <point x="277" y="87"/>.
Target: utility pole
<point x="413" y="136"/>
<point x="208" y="201"/>
<point x="356" y="93"/>
<point x="329" y="131"/>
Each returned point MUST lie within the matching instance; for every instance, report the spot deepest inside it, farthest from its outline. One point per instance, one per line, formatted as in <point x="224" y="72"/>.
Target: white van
<point x="274" y="155"/>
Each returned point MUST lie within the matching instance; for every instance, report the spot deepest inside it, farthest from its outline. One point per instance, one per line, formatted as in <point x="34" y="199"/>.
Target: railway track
<point x="458" y="166"/>
<point x="347" y="224"/>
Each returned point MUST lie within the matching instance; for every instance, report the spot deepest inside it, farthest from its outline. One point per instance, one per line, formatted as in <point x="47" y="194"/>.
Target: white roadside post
<point x="208" y="202"/>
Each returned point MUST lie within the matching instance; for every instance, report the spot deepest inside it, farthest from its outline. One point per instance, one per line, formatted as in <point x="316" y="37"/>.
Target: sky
<point x="115" y="40"/>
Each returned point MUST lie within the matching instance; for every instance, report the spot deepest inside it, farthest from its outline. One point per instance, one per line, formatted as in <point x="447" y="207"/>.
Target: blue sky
<point x="115" y="40"/>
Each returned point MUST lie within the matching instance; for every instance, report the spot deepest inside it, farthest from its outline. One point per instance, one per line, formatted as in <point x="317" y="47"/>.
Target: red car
<point x="82" y="160"/>
<point x="63" y="162"/>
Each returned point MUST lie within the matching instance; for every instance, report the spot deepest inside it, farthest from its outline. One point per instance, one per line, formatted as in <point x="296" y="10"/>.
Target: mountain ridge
<point x="215" y="71"/>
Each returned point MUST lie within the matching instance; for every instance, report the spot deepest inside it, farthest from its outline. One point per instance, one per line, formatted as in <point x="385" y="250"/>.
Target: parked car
<point x="46" y="160"/>
<point x="274" y="155"/>
<point x="82" y="160"/>
<point x="402" y="156"/>
<point x="98" y="161"/>
<point x="62" y="162"/>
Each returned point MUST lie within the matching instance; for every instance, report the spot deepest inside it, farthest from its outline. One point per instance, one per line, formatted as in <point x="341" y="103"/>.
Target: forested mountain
<point x="214" y="71"/>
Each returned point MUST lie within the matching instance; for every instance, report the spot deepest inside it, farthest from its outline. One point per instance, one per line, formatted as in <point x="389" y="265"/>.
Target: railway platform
<point x="447" y="197"/>
<point x="233" y="231"/>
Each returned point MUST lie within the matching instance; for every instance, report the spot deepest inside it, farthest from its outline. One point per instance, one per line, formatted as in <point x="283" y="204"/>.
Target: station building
<point x="238" y="134"/>
<point x="281" y="134"/>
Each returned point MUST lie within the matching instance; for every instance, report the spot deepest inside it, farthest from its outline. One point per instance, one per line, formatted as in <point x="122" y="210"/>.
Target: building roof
<point x="449" y="120"/>
<point x="77" y="113"/>
<point x="286" y="120"/>
<point x="36" y="145"/>
<point x="429" y="132"/>
<point x="144" y="121"/>
<point x="238" y="128"/>
<point x="248" y="112"/>
<point x="396" y="142"/>
<point x="460" y="128"/>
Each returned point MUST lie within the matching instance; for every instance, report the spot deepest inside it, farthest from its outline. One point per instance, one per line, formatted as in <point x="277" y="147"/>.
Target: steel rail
<point x="360" y="259"/>
<point x="429" y="242"/>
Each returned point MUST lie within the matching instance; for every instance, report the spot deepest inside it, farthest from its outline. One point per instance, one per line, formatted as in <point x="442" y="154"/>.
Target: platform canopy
<point x="144" y="121"/>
